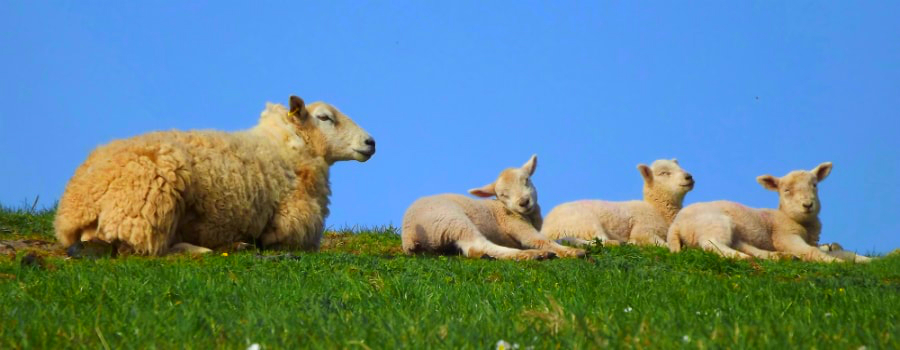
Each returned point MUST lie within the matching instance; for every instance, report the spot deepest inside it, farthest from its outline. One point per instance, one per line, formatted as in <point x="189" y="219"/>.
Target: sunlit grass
<point x="360" y="291"/>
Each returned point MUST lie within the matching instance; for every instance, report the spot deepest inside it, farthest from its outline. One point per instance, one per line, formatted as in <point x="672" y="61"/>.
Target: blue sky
<point x="454" y="92"/>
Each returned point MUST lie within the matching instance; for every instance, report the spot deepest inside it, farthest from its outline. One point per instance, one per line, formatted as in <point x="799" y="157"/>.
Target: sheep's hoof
<point x="33" y="260"/>
<point x="92" y="249"/>
<point x="487" y="257"/>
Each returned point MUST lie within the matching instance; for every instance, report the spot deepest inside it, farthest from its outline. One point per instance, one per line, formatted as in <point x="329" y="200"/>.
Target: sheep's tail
<point x="73" y="219"/>
<point x="673" y="238"/>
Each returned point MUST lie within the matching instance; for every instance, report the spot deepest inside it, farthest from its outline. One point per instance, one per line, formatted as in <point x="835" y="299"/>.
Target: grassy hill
<point x="359" y="291"/>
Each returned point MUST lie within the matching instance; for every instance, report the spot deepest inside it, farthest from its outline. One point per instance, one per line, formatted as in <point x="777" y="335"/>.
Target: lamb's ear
<point x="768" y="181"/>
<point x="675" y="160"/>
<point x="530" y="165"/>
<point x="484" y="191"/>
<point x="298" y="108"/>
<point x="646" y="173"/>
<point x="822" y="171"/>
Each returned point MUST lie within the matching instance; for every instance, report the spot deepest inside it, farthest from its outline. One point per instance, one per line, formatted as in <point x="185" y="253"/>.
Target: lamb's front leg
<point x="478" y="246"/>
<point x="794" y="244"/>
<point x="531" y="238"/>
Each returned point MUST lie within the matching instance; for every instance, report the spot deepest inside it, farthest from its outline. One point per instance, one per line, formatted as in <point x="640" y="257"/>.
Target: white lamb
<point x="175" y="190"/>
<point x="640" y="222"/>
<point x="500" y="228"/>
<point x="734" y="230"/>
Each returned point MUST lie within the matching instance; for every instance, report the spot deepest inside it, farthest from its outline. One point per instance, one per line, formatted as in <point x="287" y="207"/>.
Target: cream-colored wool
<point x="506" y="227"/>
<point x="639" y="222"/>
<point x="737" y="231"/>
<point x="185" y="190"/>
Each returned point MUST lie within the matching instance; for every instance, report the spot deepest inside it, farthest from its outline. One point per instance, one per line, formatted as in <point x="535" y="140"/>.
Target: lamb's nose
<point x="524" y="202"/>
<point x="370" y="141"/>
<point x="689" y="177"/>
<point x="807" y="205"/>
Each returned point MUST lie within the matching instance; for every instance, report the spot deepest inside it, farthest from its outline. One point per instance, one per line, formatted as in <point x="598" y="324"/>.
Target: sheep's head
<point x="513" y="188"/>
<point x="338" y="136"/>
<point x="666" y="176"/>
<point x="798" y="193"/>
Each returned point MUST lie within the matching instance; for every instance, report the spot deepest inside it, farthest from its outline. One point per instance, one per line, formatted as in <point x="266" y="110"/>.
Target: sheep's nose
<point x="807" y="205"/>
<point x="689" y="177"/>
<point x="524" y="202"/>
<point x="370" y="141"/>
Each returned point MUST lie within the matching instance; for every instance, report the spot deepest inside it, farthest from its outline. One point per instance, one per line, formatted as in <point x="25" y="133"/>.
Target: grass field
<point x="361" y="292"/>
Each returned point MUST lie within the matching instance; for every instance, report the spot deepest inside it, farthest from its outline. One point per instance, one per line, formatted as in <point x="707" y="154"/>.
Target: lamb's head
<point x="665" y="176"/>
<point x="513" y="188"/>
<point x="336" y="134"/>
<point x="798" y="193"/>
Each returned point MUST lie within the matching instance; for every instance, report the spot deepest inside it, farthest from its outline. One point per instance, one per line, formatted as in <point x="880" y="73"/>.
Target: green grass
<point x="360" y="292"/>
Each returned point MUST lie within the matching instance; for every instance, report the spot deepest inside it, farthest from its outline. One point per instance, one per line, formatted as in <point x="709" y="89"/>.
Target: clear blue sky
<point x="454" y="92"/>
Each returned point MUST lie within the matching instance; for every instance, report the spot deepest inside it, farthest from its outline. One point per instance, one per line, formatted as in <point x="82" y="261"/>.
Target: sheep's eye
<point x="501" y="195"/>
<point x="665" y="173"/>
<point x="815" y="185"/>
<point x="323" y="117"/>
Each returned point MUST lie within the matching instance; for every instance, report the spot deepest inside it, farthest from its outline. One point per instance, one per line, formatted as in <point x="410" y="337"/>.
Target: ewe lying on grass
<point x="640" y="222"/>
<point x="185" y="190"/>
<point x="496" y="227"/>
<point x="734" y="230"/>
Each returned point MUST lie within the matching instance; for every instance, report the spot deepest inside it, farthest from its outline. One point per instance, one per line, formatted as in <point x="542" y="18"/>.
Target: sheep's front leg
<point x="183" y="247"/>
<point x="533" y="239"/>
<point x="478" y="246"/>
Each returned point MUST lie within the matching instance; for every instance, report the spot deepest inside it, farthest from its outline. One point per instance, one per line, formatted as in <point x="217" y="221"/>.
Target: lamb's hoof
<point x="532" y="254"/>
<point x="547" y="255"/>
<point x="487" y="257"/>
<point x="568" y="253"/>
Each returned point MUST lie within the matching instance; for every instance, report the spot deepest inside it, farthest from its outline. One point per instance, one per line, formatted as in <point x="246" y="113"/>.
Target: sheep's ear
<point x="484" y="191"/>
<point x="768" y="181"/>
<point x="298" y="108"/>
<point x="530" y="165"/>
<point x="822" y="171"/>
<point x="675" y="160"/>
<point x="646" y="173"/>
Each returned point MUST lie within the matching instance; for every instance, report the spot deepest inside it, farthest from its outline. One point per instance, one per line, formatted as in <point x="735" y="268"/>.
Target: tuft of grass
<point x="360" y="291"/>
<point x="27" y="221"/>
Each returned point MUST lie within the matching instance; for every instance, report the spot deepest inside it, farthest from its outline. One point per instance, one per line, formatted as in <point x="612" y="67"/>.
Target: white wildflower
<point x="253" y="346"/>
<point x="686" y="339"/>
<point x="628" y="309"/>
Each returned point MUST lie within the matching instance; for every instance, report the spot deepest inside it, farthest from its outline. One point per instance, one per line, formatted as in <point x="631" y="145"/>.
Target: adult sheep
<point x="734" y="230"/>
<point x="504" y="228"/>
<point x="640" y="222"/>
<point x="174" y="191"/>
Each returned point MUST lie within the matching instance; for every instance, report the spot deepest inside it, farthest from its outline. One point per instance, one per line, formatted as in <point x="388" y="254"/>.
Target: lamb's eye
<point x="665" y="173"/>
<point x="501" y="195"/>
<point x="323" y="117"/>
<point x="815" y="185"/>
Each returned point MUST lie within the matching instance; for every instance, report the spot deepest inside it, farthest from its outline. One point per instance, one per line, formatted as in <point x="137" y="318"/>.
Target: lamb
<point x="500" y="228"/>
<point x="734" y="230"/>
<point x="175" y="191"/>
<point x="641" y="222"/>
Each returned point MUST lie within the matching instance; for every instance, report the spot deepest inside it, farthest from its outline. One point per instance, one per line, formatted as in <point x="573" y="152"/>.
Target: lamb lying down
<point x="734" y="230"/>
<point x="640" y="222"/>
<point x="506" y="227"/>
